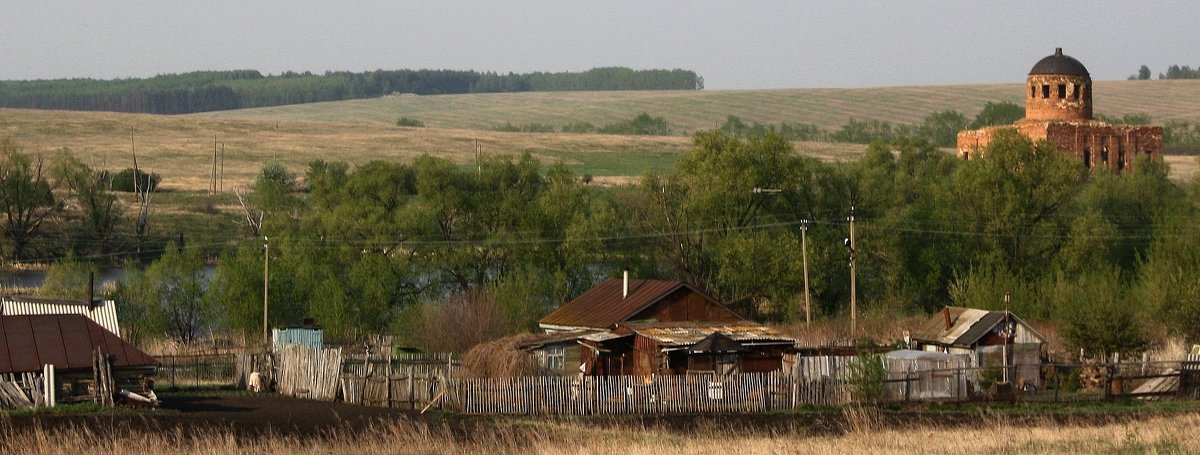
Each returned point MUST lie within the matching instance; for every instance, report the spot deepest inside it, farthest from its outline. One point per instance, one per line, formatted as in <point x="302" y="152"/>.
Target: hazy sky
<point x="732" y="44"/>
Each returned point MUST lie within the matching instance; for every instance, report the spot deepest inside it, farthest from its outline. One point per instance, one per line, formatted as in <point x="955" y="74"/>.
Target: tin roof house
<point x="987" y="338"/>
<point x="103" y="312"/>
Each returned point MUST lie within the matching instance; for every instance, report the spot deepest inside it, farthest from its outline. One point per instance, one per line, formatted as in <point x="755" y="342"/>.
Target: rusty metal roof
<point x="602" y="306"/>
<point x="689" y="333"/>
<point x="65" y="340"/>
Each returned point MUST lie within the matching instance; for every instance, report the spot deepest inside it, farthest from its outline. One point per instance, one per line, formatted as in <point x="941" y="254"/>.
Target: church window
<point x="1075" y="91"/>
<point x="1062" y="91"/>
<point x="1045" y="90"/>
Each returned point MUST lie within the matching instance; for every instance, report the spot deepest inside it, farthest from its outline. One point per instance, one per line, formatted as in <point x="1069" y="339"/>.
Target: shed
<point x="987" y="338"/>
<point x="103" y="312"/>
<point x="307" y="333"/>
<point x="691" y="347"/>
<point x="68" y="341"/>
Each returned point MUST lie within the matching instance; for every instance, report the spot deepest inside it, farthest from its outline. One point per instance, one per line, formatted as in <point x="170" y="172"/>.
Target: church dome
<point x="1059" y="64"/>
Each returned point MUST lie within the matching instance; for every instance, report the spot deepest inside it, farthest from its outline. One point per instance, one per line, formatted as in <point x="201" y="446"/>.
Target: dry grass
<point x="502" y="358"/>
<point x="689" y="111"/>
<point x="836" y="331"/>
<point x="994" y="434"/>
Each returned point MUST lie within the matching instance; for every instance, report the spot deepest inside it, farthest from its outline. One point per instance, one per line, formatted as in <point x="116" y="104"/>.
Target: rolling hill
<point x="180" y="147"/>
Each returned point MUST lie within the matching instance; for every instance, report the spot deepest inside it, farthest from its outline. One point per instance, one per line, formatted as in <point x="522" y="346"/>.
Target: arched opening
<point x="1121" y="156"/>
<point x="1087" y="157"/>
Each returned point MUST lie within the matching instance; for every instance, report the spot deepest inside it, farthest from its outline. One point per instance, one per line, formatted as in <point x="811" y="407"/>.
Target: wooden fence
<point x="407" y="380"/>
<point x="196" y="370"/>
<point x="309" y="372"/>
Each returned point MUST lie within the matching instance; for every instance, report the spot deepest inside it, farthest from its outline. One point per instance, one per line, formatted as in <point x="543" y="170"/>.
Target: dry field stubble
<point x="180" y="148"/>
<point x="982" y="434"/>
<point x="689" y="110"/>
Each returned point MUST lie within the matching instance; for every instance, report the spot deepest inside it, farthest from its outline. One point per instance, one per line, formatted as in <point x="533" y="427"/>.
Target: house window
<point x="554" y="357"/>
<point x="1045" y="90"/>
<point x="1062" y="90"/>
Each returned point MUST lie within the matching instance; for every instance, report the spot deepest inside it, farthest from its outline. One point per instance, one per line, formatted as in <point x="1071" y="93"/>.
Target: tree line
<point x="1173" y="72"/>
<point x="435" y="252"/>
<point x="203" y="91"/>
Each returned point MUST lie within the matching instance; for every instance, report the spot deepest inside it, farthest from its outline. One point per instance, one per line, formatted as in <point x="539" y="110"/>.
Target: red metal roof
<point x="602" y="306"/>
<point x="65" y="340"/>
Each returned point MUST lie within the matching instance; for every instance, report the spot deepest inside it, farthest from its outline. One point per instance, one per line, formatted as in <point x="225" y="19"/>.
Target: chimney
<point x="946" y="315"/>
<point x="91" y="291"/>
<point x="625" y="287"/>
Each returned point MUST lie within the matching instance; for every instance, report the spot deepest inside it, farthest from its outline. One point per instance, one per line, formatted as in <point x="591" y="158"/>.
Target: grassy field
<point x="180" y="148"/>
<point x="689" y="111"/>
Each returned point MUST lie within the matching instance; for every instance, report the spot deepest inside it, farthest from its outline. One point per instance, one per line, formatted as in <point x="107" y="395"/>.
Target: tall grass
<point x="980" y="434"/>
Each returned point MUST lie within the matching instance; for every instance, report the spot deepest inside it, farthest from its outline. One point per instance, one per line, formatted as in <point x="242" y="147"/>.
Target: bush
<point x="410" y="122"/>
<point x="866" y="377"/>
<point x="124" y="180"/>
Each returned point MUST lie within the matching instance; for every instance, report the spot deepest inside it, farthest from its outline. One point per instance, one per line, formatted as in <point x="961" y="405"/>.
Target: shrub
<point x="124" y="180"/>
<point x="410" y="122"/>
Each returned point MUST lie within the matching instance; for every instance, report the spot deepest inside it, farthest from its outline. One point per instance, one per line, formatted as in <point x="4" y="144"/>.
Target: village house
<point x="988" y="339"/>
<point x="70" y="342"/>
<point x="645" y="327"/>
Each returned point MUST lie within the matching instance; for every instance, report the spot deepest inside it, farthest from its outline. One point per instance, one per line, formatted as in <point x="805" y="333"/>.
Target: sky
<point x="731" y="44"/>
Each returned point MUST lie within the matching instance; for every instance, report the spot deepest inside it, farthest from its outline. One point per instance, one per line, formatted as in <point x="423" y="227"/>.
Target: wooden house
<point x="70" y="343"/>
<point x="988" y="338"/>
<point x="615" y="300"/>
<point x="646" y="327"/>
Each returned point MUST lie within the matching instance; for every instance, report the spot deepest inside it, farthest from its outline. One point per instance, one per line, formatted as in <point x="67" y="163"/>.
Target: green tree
<point x="92" y="191"/>
<point x="1108" y="323"/>
<point x="68" y="279"/>
<point x="941" y="128"/>
<point x="26" y="197"/>
<point x="1144" y="73"/>
<point x="139" y="306"/>
<point x="177" y="283"/>
<point x="1001" y="113"/>
<point x="1012" y="197"/>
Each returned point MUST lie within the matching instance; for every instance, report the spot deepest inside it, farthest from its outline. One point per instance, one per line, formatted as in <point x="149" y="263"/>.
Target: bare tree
<point x="26" y="196"/>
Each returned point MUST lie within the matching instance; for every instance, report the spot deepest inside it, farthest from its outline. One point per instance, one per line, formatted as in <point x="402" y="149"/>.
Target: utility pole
<point x="853" y="278"/>
<point x="804" y="254"/>
<point x="266" y="281"/>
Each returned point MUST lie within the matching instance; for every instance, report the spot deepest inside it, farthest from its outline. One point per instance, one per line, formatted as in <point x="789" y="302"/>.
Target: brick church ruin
<point x="1058" y="109"/>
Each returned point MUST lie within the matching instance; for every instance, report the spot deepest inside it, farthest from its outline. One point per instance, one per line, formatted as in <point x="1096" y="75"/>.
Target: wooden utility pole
<point x="221" y="186"/>
<point x="804" y="254"/>
<point x="853" y="279"/>
<point x="266" y="288"/>
<point x="212" y="170"/>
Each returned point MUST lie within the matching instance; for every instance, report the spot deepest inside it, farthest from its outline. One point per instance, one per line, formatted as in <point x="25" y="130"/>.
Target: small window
<point x="967" y="155"/>
<point x="1075" y="91"/>
<point x="1121" y="156"/>
<point x="1032" y="91"/>
<point x="1062" y="91"/>
<point x="1087" y="157"/>
<point x="554" y="358"/>
<point x="1104" y="155"/>
<point x="1045" y="90"/>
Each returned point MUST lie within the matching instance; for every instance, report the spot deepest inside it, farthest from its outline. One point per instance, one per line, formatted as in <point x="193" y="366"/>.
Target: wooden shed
<point x="988" y="338"/>
<point x="70" y="343"/>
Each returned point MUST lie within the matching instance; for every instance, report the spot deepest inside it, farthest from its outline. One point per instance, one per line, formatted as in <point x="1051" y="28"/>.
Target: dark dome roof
<point x="1059" y="64"/>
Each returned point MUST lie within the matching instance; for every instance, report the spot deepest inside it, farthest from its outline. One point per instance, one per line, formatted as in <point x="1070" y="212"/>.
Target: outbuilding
<point x="989" y="339"/>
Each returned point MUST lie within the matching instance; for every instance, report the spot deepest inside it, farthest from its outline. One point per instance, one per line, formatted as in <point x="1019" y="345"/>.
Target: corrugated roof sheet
<point x="602" y="306"/>
<point x="65" y="340"/>
<point x="690" y="333"/>
<point x="104" y="312"/>
<point x="967" y="326"/>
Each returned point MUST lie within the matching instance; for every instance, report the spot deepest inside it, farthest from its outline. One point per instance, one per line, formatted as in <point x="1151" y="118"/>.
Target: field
<point x="689" y="111"/>
<point x="180" y="147"/>
<point x="228" y="422"/>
